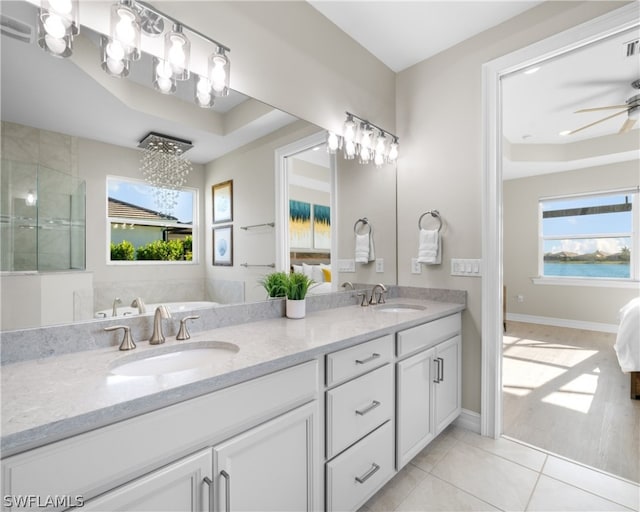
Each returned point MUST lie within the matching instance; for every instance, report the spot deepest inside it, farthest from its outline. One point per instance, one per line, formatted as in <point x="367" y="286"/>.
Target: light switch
<point x="346" y="266"/>
<point x="416" y="267"/>
<point x="465" y="267"/>
<point x="379" y="265"/>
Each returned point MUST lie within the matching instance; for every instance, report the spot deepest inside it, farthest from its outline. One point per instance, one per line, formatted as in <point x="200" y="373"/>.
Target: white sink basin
<point x="175" y="359"/>
<point x="400" y="308"/>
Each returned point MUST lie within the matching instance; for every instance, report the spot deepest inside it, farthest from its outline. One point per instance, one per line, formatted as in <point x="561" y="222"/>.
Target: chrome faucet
<point x="114" y="310"/>
<point x="383" y="290"/>
<point x="139" y="303"/>
<point x="349" y="284"/>
<point x="158" y="337"/>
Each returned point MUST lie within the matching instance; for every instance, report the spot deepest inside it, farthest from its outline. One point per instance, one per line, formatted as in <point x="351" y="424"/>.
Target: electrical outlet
<point x="416" y="268"/>
<point x="379" y="265"/>
<point x="520" y="298"/>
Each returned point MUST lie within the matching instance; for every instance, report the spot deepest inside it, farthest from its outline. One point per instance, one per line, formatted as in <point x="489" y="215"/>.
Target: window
<point x="147" y="223"/>
<point x="591" y="237"/>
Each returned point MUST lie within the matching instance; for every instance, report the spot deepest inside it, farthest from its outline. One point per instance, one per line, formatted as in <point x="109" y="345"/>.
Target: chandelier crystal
<point x="165" y="168"/>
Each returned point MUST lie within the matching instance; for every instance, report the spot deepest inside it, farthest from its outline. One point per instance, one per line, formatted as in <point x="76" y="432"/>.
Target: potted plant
<point x="298" y="285"/>
<point x="276" y="284"/>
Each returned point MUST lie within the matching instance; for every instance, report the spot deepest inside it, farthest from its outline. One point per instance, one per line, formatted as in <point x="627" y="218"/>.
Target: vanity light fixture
<point x="129" y="21"/>
<point x="365" y="139"/>
<point x="57" y="26"/>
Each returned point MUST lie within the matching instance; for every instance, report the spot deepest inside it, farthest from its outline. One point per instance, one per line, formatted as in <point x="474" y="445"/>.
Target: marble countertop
<point x="46" y="400"/>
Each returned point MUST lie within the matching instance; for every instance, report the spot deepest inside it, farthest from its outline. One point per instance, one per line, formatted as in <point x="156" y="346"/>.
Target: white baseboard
<point x="468" y="420"/>
<point x="563" y="322"/>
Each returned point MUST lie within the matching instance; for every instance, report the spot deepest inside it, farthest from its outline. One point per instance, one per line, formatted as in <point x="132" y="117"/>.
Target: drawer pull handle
<point x="362" y="479"/>
<point x="441" y="369"/>
<point x="437" y="361"/>
<point x="209" y="482"/>
<point x="368" y="359"/>
<point x="367" y="409"/>
<point x="227" y="490"/>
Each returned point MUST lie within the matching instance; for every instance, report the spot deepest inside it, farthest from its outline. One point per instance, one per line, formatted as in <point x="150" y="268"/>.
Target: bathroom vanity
<point x="312" y="414"/>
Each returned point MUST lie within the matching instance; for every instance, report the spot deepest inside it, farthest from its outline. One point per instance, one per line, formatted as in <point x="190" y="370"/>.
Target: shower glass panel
<point x="43" y="219"/>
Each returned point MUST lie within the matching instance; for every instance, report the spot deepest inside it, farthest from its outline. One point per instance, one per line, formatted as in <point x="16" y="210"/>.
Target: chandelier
<point x="165" y="168"/>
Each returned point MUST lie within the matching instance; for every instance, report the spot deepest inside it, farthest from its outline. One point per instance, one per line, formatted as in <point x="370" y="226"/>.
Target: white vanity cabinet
<point x="428" y="388"/>
<point x="265" y="426"/>
<point x="272" y="467"/>
<point x="177" y="486"/>
<point x="359" y="423"/>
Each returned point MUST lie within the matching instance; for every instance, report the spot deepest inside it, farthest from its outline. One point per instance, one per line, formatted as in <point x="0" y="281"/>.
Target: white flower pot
<point x="296" y="308"/>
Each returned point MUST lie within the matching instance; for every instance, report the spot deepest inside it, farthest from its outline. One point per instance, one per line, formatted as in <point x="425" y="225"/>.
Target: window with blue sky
<point x="589" y="236"/>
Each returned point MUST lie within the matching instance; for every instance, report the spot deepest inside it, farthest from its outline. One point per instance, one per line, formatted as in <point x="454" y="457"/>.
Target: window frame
<point x="194" y="226"/>
<point x="612" y="282"/>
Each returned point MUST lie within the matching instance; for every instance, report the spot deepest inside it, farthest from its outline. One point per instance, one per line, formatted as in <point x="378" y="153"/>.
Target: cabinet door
<point x="272" y="467"/>
<point x="178" y="486"/>
<point x="448" y="396"/>
<point x="415" y="427"/>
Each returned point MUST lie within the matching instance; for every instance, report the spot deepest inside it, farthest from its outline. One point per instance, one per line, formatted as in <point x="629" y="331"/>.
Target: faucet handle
<point x="127" y="340"/>
<point x="183" y="333"/>
<point x="364" y="298"/>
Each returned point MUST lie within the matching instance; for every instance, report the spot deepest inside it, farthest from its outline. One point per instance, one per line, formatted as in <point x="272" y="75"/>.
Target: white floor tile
<point x="608" y="487"/>
<point x="398" y="488"/>
<point x="515" y="452"/>
<point x="502" y="483"/>
<point x="553" y="495"/>
<point x="433" y="494"/>
<point x="434" y="451"/>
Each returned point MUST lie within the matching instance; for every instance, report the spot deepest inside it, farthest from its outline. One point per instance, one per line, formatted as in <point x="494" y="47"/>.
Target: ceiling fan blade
<point x="628" y="124"/>
<point x="600" y="108"/>
<point x="597" y="122"/>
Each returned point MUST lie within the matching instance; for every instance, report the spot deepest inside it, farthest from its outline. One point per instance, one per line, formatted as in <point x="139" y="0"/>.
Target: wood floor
<point x="563" y="391"/>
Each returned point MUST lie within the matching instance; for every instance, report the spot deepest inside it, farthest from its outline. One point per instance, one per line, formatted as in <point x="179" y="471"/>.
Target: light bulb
<point x="31" y="198"/>
<point x="125" y="30"/>
<point x="115" y="50"/>
<point x="163" y="69"/>
<point x="219" y="72"/>
<point x="365" y="154"/>
<point x="332" y="142"/>
<point x="203" y="85"/>
<point x="56" y="45"/>
<point x="393" y="151"/>
<point x="367" y="134"/>
<point x="176" y="55"/>
<point x="349" y="149"/>
<point x="349" y="130"/>
<point x="116" y="66"/>
<point x="378" y="160"/>
<point x="54" y="26"/>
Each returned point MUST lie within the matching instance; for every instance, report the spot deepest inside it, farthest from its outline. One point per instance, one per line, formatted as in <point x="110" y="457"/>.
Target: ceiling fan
<point x="631" y="108"/>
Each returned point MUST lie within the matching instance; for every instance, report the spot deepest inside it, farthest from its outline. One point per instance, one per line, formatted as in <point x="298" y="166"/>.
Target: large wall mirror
<point x="68" y="124"/>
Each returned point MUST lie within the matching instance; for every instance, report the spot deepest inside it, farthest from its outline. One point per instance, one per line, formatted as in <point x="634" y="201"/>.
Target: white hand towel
<point x="372" y="250"/>
<point x="429" y="247"/>
<point x="363" y="243"/>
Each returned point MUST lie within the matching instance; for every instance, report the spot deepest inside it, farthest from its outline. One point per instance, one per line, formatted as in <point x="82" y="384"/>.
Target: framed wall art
<point x="222" y="202"/>
<point x="223" y="246"/>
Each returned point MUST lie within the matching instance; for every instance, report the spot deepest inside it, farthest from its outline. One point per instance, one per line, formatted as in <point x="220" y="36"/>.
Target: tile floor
<point x="461" y="470"/>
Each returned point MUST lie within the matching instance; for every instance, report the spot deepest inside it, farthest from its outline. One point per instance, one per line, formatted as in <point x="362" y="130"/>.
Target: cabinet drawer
<point x="427" y="335"/>
<point x="358" y="407"/>
<point x="353" y="361"/>
<point x="358" y="473"/>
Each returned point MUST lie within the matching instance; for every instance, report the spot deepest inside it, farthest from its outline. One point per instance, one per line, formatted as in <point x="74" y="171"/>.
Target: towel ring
<point x="365" y="222"/>
<point x="435" y="214"/>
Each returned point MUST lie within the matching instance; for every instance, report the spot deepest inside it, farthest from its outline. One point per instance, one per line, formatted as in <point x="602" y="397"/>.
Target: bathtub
<point x="174" y="307"/>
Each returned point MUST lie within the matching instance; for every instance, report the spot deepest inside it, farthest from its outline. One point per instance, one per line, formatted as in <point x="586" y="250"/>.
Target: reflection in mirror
<point x="70" y="116"/>
<point x="140" y="231"/>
